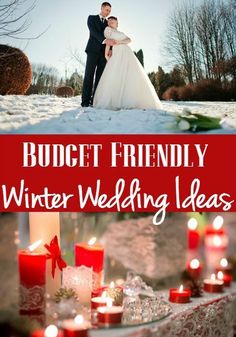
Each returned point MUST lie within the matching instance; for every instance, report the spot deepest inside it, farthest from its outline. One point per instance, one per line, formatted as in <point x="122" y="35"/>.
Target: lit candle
<point x="217" y="226"/>
<point x="32" y="268"/>
<point x="193" y="234"/>
<point x="227" y="279"/>
<point x="179" y="295"/>
<point x="213" y="285"/>
<point x="50" y="331"/>
<point x="91" y="254"/>
<point x="225" y="266"/>
<point x="109" y="315"/>
<point x="46" y="225"/>
<point x="195" y="268"/>
<point x="80" y="279"/>
<point x="113" y="291"/>
<point x="193" y="240"/>
<point x="100" y="301"/>
<point x="77" y="327"/>
<point x="216" y="243"/>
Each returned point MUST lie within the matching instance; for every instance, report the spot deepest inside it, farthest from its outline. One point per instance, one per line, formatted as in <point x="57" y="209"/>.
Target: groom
<point x="95" y="53"/>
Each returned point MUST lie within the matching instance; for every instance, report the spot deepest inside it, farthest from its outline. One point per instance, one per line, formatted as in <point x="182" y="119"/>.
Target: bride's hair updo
<point x="104" y="4"/>
<point x="112" y="18"/>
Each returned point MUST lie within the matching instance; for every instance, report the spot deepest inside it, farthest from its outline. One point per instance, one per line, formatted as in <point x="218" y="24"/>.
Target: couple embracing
<point x="114" y="77"/>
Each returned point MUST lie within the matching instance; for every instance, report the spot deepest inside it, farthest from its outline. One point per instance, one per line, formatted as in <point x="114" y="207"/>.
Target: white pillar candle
<point x="81" y="280"/>
<point x="44" y="226"/>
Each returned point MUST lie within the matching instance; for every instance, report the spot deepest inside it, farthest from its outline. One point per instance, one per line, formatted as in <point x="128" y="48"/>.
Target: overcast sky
<point x="144" y="21"/>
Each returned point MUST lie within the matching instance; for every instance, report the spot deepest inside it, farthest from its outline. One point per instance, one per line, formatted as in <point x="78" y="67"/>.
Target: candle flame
<point x="112" y="284"/>
<point x="51" y="331"/>
<point x="195" y="264"/>
<point x="220" y="275"/>
<point x="79" y="319"/>
<point x="213" y="277"/>
<point x="224" y="263"/>
<point x="92" y="241"/>
<point x="109" y="302"/>
<point x="192" y="224"/>
<point x="181" y="288"/>
<point x="218" y="222"/>
<point x="34" y="246"/>
<point x="217" y="241"/>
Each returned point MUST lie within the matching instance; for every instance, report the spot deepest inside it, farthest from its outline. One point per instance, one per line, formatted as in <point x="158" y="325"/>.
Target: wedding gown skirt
<point x="124" y="83"/>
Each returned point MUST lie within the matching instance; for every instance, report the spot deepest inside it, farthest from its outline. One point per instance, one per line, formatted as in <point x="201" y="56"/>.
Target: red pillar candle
<point x="193" y="234"/>
<point x="213" y="285"/>
<point x="110" y="315"/>
<point x="91" y="254"/>
<point x="195" y="268"/>
<point x="179" y="295"/>
<point x="77" y="327"/>
<point x="50" y="331"/>
<point x="32" y="270"/>
<point x="226" y="278"/>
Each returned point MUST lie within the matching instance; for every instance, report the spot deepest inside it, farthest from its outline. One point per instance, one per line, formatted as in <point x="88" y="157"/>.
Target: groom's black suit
<point x="95" y="57"/>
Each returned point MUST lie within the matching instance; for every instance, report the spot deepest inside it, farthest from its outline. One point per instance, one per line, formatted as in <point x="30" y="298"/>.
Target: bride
<point x="124" y="83"/>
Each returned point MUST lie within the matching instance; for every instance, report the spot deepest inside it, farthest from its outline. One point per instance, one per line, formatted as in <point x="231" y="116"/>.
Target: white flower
<point x="184" y="125"/>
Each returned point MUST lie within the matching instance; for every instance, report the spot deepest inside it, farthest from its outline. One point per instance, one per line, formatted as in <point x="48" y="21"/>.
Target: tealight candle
<point x="91" y="254"/>
<point x="213" y="285"/>
<point x="76" y="327"/>
<point x="32" y="277"/>
<point x="195" y="268"/>
<point x="100" y="301"/>
<point x="227" y="279"/>
<point x="179" y="295"/>
<point x="110" y="315"/>
<point x="113" y="291"/>
<point x="50" y="331"/>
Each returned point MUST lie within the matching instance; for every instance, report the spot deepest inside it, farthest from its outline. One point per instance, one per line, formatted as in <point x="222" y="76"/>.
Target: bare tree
<point x="202" y="37"/>
<point x="12" y="23"/>
<point x="229" y="20"/>
<point x="44" y="79"/>
<point x="181" y="39"/>
<point x="15" y="19"/>
<point x="75" y="55"/>
<point x="210" y="29"/>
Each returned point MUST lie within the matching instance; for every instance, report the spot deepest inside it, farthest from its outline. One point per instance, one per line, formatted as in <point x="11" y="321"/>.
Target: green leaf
<point x="200" y="122"/>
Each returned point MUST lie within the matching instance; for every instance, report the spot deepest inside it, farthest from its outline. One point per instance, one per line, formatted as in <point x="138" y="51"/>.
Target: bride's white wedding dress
<point x="124" y="83"/>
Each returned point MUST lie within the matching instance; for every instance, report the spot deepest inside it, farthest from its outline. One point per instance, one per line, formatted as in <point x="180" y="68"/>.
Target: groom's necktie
<point x="103" y="20"/>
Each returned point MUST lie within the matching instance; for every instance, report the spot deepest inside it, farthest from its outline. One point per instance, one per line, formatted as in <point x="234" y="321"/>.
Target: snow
<point x="42" y="114"/>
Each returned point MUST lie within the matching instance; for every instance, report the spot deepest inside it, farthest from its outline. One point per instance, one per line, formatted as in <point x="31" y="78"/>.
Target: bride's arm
<point x="127" y="40"/>
<point x="107" y="52"/>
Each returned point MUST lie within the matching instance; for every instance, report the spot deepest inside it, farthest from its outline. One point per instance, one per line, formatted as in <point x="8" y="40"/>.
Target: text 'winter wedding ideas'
<point x="121" y="155"/>
<point x="125" y="196"/>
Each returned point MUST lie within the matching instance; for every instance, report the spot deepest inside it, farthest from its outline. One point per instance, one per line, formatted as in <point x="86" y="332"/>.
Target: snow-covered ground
<point x="50" y="114"/>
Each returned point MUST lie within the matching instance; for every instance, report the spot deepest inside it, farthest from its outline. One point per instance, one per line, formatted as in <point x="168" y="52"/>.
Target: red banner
<point x="91" y="173"/>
